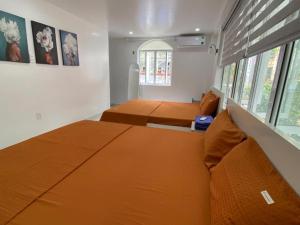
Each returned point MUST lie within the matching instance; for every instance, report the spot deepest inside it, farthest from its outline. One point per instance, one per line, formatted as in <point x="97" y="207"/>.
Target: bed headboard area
<point x="221" y="95"/>
<point x="284" y="155"/>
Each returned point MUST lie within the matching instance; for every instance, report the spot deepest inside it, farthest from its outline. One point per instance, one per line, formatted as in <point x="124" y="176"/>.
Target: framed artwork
<point x="13" y="38"/>
<point x="69" y="47"/>
<point x="45" y="47"/>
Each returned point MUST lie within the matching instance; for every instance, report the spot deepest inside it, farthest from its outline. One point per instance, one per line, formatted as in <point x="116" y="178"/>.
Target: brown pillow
<point x="206" y="96"/>
<point x="221" y="136"/>
<point x="209" y="107"/>
<point x="237" y="183"/>
<point x="202" y="97"/>
<point x="209" y="104"/>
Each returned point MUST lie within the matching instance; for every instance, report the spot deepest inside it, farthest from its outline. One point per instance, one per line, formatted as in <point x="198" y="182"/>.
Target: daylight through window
<point x="155" y="61"/>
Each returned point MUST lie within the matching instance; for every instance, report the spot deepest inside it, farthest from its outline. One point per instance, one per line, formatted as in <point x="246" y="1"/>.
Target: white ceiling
<point x="149" y="18"/>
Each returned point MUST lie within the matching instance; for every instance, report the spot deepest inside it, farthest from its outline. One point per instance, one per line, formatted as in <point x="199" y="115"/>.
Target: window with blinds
<point x="260" y="25"/>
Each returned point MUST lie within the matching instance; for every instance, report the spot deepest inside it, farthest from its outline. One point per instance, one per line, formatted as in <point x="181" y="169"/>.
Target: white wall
<point x="60" y="94"/>
<point x="192" y="72"/>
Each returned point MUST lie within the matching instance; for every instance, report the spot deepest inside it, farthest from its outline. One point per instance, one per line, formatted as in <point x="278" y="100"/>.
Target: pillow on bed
<point x="209" y="104"/>
<point x="246" y="190"/>
<point x="221" y="136"/>
<point x="206" y="96"/>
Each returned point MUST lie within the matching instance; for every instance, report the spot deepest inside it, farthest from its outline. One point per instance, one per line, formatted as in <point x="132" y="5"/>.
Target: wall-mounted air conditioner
<point x="187" y="41"/>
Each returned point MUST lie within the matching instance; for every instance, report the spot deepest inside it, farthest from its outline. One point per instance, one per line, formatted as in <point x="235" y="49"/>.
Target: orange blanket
<point x="175" y="114"/>
<point x="145" y="176"/>
<point x="30" y="169"/>
<point x="135" y="112"/>
<point x="141" y="112"/>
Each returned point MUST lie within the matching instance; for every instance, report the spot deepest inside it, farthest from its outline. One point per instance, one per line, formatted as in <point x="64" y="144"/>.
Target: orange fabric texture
<point x="146" y="176"/>
<point x="141" y="112"/>
<point x="221" y="136"/>
<point x="236" y="186"/>
<point x="86" y="134"/>
<point x="210" y="107"/>
<point x="135" y="112"/>
<point x="31" y="168"/>
<point x="175" y="114"/>
<point x="209" y="104"/>
<point x="202" y="96"/>
<point x="207" y="96"/>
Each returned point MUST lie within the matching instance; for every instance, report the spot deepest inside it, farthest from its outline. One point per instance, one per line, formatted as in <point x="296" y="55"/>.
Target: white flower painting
<point x="13" y="38"/>
<point x="69" y="46"/>
<point x="44" y="43"/>
<point x="10" y="30"/>
<point x="44" y="38"/>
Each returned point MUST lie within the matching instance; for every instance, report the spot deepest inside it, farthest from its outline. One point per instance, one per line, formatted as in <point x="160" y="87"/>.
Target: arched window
<point x="155" y="61"/>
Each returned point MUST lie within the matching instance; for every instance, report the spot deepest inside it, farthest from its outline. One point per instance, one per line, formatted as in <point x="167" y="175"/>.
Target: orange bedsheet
<point x="175" y="114"/>
<point x="145" y="176"/>
<point x="141" y="112"/>
<point x="31" y="168"/>
<point x="135" y="112"/>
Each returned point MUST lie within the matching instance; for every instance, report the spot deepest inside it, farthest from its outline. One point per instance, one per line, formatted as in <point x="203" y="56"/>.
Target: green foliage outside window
<point x="294" y="114"/>
<point x="263" y="106"/>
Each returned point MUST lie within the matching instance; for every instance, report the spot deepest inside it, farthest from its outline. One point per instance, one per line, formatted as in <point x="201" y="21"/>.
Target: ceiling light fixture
<point x="197" y="29"/>
<point x="131" y="32"/>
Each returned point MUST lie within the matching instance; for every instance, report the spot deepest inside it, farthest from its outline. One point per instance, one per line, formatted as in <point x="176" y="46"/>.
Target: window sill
<point x="155" y="85"/>
<point x="272" y="127"/>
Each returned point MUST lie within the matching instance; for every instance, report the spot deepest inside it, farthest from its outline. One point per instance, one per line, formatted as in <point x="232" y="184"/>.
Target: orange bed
<point x="141" y="176"/>
<point x="30" y="169"/>
<point x="92" y="173"/>
<point x="141" y="112"/>
<point x="135" y="112"/>
<point x="175" y="114"/>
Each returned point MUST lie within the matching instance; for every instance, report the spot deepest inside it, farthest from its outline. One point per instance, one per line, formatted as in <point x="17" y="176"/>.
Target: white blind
<point x="259" y="25"/>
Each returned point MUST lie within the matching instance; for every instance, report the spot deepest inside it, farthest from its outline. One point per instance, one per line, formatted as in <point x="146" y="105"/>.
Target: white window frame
<point x="274" y="87"/>
<point x="279" y="85"/>
<point x="282" y="82"/>
<point x="243" y="81"/>
<point x="228" y="79"/>
<point x="236" y="93"/>
<point x="146" y="83"/>
<point x="276" y="30"/>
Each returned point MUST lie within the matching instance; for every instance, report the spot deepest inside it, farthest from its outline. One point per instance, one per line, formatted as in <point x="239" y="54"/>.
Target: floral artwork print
<point x="44" y="38"/>
<point x="10" y="30"/>
<point x="69" y="45"/>
<point x="13" y="38"/>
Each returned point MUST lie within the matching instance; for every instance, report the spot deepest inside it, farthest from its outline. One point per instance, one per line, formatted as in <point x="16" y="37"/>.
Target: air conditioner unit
<point x="191" y="41"/>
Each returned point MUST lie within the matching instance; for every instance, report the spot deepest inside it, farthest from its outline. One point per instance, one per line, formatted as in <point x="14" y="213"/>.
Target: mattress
<point x="135" y="112"/>
<point x="141" y="112"/>
<point x="141" y="176"/>
<point x="30" y="169"/>
<point x="175" y="114"/>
